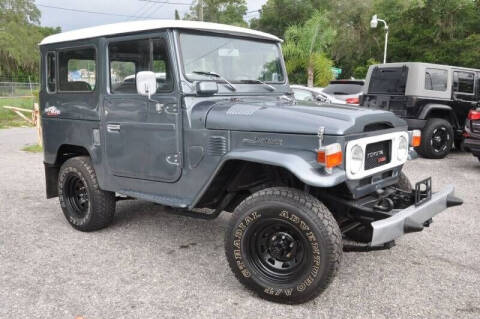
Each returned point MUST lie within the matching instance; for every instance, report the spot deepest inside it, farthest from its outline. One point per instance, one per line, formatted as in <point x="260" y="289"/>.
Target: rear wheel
<point x="283" y="244"/>
<point x="363" y="233"/>
<point x="437" y="139"/>
<point x="84" y="204"/>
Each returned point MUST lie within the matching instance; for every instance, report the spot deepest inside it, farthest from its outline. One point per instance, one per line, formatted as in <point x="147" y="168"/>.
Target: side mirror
<point x="207" y="88"/>
<point x="146" y="83"/>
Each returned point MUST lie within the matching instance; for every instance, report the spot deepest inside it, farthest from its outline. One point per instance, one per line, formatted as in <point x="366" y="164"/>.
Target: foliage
<point x="35" y="148"/>
<point x="360" y="72"/>
<point x="20" y="34"/>
<point x="304" y="50"/>
<point x="220" y="11"/>
<point x="277" y="15"/>
<point x="437" y="31"/>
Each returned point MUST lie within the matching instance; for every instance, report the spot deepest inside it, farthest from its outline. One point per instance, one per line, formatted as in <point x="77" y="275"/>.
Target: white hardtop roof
<point x="137" y="26"/>
<point x="428" y="65"/>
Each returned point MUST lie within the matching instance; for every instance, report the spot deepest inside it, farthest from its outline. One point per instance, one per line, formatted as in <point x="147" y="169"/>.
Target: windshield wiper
<point x="254" y="81"/>
<point x="216" y="75"/>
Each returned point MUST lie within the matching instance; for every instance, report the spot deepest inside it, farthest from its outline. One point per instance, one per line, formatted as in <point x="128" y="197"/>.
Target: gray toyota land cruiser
<point x="200" y="117"/>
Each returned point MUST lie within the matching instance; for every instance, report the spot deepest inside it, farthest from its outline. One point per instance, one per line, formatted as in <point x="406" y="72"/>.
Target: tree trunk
<point x="310" y="76"/>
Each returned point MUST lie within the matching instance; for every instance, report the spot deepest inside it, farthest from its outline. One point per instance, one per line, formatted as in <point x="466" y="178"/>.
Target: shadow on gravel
<point x="362" y="248"/>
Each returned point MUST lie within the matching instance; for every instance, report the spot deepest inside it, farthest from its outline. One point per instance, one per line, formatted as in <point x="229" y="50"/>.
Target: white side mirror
<point x="146" y="83"/>
<point x="374" y="22"/>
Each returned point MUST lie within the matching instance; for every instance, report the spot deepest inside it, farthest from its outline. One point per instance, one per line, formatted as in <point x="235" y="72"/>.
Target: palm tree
<point x="305" y="47"/>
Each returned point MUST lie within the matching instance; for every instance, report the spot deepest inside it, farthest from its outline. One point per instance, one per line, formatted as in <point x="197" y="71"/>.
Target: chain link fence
<point x="17" y="89"/>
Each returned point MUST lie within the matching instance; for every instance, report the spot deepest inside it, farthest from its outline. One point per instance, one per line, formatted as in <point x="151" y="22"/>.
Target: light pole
<point x="374" y="24"/>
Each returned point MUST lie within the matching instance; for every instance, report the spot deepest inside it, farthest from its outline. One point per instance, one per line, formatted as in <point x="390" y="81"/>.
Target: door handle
<point x="113" y="128"/>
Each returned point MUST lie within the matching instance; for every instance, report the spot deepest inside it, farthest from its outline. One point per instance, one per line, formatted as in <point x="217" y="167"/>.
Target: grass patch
<point x="35" y="148"/>
<point x="8" y="118"/>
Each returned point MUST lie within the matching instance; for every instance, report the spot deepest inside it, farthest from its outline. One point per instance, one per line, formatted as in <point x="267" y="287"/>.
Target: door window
<point x="77" y="70"/>
<point x="463" y="82"/>
<point x="51" y="72"/>
<point x="436" y="79"/>
<point x="127" y="58"/>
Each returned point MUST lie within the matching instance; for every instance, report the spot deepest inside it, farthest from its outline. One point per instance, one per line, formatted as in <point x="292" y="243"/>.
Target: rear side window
<point x="388" y="81"/>
<point x="436" y="79"/>
<point x="463" y="82"/>
<point x="51" y="72"/>
<point x="77" y="70"/>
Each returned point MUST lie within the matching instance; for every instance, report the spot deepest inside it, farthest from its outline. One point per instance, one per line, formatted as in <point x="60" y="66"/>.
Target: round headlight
<point x="402" y="153"/>
<point x="356" y="159"/>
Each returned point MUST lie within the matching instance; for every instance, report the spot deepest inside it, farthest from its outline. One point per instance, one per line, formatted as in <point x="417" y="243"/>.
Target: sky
<point x="134" y="9"/>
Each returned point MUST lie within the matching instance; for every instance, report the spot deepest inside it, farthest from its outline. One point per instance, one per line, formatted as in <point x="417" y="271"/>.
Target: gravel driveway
<point x="153" y="264"/>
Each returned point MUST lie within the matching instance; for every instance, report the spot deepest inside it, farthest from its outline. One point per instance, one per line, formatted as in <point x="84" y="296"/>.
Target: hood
<point x="299" y="118"/>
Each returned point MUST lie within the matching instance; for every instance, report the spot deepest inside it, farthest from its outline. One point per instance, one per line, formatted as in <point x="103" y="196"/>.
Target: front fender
<point x="301" y="164"/>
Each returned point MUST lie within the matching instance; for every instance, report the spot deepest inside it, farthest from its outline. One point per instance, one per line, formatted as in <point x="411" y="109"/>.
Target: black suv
<point x="433" y="98"/>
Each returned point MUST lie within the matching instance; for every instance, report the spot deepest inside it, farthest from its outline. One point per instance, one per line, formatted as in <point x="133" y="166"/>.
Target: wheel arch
<point x="442" y="111"/>
<point x="240" y="169"/>
<point x="63" y="153"/>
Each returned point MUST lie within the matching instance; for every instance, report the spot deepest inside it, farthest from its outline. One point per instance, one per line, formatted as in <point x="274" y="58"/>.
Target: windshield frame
<point x="227" y="35"/>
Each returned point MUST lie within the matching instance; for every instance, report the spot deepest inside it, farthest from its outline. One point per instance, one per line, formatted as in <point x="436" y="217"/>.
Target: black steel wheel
<point x="84" y="204"/>
<point x="437" y="139"/>
<point x="76" y="195"/>
<point x="277" y="249"/>
<point x="283" y="244"/>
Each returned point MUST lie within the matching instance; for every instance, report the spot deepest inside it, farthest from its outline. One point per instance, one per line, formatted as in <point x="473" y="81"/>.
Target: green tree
<point x="219" y="11"/>
<point x="20" y="34"/>
<point x="277" y="15"/>
<point x="360" y="72"/>
<point x="177" y="15"/>
<point x="305" y="50"/>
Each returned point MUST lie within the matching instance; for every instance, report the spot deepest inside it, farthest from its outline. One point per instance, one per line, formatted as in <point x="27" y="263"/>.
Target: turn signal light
<point x="416" y="138"/>
<point x="330" y="155"/>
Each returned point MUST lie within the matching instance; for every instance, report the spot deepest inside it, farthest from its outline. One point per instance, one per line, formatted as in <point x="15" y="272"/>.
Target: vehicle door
<point x="142" y="135"/>
<point x="464" y="97"/>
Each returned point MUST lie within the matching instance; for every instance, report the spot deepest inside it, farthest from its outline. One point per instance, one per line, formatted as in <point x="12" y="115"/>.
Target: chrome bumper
<point x="413" y="218"/>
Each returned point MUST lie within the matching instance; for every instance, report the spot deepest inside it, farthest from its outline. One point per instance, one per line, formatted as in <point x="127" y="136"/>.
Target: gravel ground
<point x="154" y="264"/>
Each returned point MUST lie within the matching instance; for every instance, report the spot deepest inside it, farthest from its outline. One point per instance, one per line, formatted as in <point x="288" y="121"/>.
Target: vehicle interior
<point x="127" y="58"/>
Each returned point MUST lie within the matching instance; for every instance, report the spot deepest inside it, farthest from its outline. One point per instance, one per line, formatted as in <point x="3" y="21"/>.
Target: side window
<point x="77" y="70"/>
<point x="161" y="66"/>
<point x="51" y="72"/>
<point x="127" y="58"/>
<point x="463" y="82"/>
<point x="436" y="79"/>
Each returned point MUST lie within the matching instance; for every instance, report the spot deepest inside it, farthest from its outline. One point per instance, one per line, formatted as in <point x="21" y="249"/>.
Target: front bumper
<point x="413" y="218"/>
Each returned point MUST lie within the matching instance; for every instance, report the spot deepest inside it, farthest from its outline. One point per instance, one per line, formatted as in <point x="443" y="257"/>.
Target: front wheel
<point x="283" y="244"/>
<point x="437" y="139"/>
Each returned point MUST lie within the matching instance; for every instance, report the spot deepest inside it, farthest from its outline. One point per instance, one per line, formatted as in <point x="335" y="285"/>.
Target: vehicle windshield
<point x="236" y="60"/>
